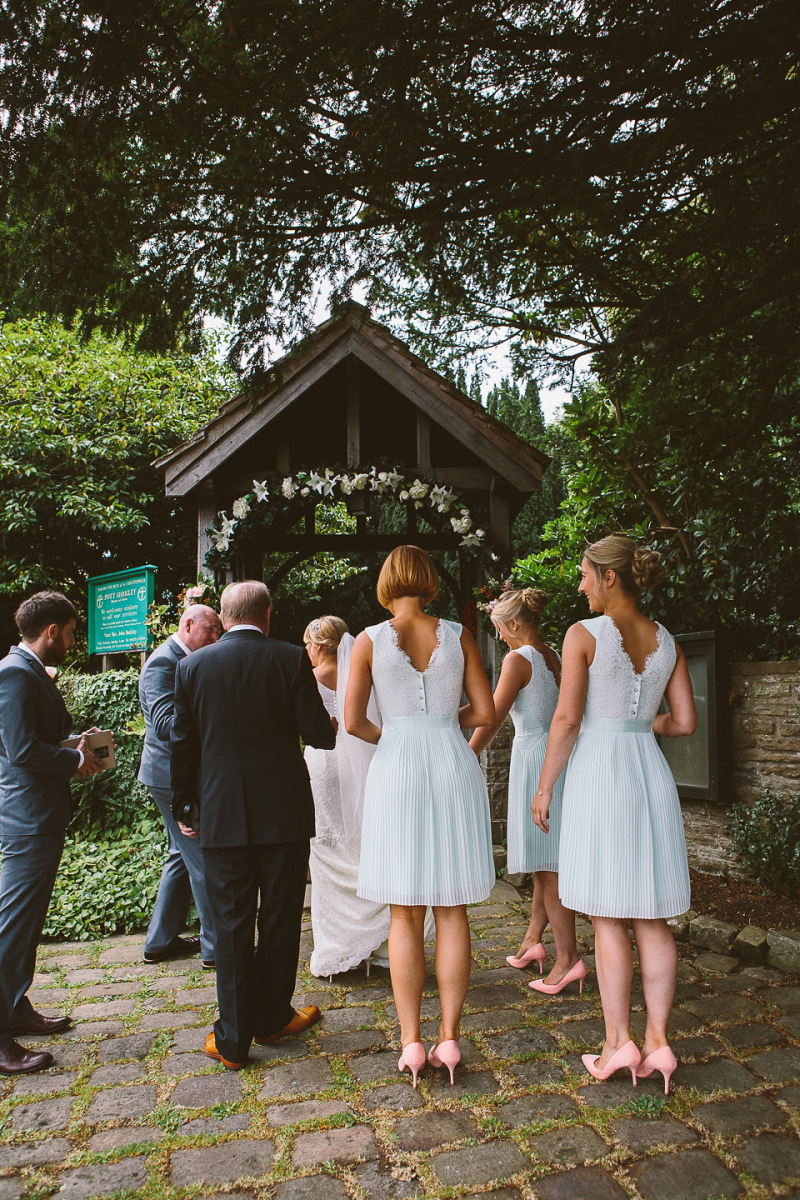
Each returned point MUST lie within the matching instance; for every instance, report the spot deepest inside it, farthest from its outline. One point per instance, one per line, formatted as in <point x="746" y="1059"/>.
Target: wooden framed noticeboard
<point x="118" y="606"/>
<point x="698" y="763"/>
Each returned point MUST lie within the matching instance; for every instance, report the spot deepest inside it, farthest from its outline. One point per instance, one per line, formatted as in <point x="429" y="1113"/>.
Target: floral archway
<point x="298" y="494"/>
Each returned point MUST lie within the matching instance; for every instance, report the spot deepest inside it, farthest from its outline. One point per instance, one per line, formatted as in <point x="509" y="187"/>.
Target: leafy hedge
<point x="765" y="835"/>
<point x="112" y="804"/>
<point x="116" y="844"/>
<point x="107" y="886"/>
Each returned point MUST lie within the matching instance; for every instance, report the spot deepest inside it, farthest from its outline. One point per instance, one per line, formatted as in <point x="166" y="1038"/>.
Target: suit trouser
<point x="255" y="985"/>
<point x="182" y="876"/>
<point x="27" y="876"/>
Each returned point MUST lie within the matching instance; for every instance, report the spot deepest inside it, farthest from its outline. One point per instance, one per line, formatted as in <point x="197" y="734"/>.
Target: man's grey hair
<point x="245" y="603"/>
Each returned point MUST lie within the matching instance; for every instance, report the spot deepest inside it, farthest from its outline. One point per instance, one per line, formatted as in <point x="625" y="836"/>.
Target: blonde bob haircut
<point x="408" y="571"/>
<point x="325" y="631"/>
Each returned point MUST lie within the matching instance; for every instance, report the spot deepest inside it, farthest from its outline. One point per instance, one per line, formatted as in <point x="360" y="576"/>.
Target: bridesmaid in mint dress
<point x="426" y="837"/>
<point x="622" y="857"/>
<point x="528" y="689"/>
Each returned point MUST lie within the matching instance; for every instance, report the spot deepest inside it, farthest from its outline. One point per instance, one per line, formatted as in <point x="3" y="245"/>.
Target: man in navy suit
<point x="241" y="708"/>
<point x="34" y="810"/>
<point x="183" y="875"/>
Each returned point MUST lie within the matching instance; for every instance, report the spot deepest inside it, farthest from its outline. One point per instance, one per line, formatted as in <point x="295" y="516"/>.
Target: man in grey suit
<point x="183" y="874"/>
<point x="34" y="810"/>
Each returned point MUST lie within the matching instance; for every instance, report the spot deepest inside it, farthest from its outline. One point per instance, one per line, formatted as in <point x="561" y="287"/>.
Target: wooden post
<point x="423" y="440"/>
<point x="353" y="413"/>
<point x="103" y="662"/>
<point x="206" y="515"/>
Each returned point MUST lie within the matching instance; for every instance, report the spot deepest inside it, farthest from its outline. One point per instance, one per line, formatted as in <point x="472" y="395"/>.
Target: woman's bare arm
<point x="515" y="674"/>
<point x="577" y="654"/>
<point x="480" y="707"/>
<point x="681" y="719"/>
<point x="359" y="686"/>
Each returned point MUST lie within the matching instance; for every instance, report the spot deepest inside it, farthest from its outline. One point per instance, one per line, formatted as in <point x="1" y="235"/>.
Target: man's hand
<point x="91" y="765"/>
<point x="187" y="830"/>
<point x="335" y="724"/>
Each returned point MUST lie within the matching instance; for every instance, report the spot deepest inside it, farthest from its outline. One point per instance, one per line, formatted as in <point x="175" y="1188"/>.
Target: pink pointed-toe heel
<point x="446" y="1054"/>
<point x="576" y="974"/>
<point x="662" y="1060"/>
<point x="627" y="1058"/>
<point x="413" y="1057"/>
<point x="536" y="953"/>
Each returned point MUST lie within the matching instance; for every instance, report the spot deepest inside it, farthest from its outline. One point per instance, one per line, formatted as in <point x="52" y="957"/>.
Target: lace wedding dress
<point x="426" y="837"/>
<point x="622" y="850"/>
<point x="347" y="930"/>
<point x="532" y="711"/>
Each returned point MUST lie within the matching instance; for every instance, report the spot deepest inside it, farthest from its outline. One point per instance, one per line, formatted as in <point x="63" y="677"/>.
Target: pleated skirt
<point x="622" y="850"/>
<point x="426" y="835"/>
<point x="528" y="848"/>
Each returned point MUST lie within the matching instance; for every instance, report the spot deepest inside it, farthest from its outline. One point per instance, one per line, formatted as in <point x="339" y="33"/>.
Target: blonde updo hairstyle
<point x="525" y="605"/>
<point x="326" y="632"/>
<point x="637" y="567"/>
<point x="408" y="571"/>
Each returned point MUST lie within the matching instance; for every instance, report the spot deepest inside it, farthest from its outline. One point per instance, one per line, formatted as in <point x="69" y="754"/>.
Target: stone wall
<point x="765" y="728"/>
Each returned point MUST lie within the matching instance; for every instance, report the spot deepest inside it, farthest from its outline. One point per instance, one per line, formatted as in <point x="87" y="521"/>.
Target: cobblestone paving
<point x="133" y="1107"/>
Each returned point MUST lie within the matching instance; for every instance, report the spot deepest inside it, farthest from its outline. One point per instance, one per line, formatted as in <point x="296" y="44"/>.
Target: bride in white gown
<point x="347" y="930"/>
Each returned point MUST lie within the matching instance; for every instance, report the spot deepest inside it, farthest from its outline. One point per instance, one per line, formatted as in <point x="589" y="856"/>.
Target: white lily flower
<point x="261" y="490"/>
<point x="226" y="525"/>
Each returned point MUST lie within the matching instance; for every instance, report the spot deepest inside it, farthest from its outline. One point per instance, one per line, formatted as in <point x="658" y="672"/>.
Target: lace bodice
<point x="615" y="689"/>
<point x="401" y="690"/>
<point x="536" y="702"/>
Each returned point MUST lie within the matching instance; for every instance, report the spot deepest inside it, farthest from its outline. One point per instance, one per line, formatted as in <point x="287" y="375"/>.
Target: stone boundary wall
<point x="765" y="728"/>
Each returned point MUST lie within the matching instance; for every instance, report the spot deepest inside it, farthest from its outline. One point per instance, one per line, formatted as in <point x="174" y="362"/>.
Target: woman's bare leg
<point x="614" y="963"/>
<point x="562" y="923"/>
<point x="407" y="966"/>
<point x="658" y="962"/>
<point x="538" y="922"/>
<point x="453" y="964"/>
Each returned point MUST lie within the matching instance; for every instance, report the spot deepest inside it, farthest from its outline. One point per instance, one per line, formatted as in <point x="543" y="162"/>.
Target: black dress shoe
<point x="209" y="964"/>
<point x="180" y="948"/>
<point x="16" y="1060"/>
<point x="36" y="1022"/>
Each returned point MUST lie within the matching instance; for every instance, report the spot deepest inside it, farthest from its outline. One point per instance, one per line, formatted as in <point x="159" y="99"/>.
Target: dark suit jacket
<point x="241" y="707"/>
<point x="34" y="770"/>
<point x="157" y="698"/>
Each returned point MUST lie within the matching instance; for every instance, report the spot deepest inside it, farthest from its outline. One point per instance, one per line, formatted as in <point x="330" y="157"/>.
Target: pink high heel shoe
<point x="413" y="1057"/>
<point x="626" y="1058"/>
<point x="536" y="953"/>
<point x="662" y="1060"/>
<point x="446" y="1054"/>
<point x="573" y="975"/>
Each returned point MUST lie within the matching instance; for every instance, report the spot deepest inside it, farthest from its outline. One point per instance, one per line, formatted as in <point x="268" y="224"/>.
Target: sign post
<point x="118" y="607"/>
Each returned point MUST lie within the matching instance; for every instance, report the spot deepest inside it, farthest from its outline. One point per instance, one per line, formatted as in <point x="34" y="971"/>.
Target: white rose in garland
<point x="241" y="508"/>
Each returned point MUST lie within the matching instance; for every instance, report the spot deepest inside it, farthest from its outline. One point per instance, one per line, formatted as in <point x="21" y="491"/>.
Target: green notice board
<point x="118" y="605"/>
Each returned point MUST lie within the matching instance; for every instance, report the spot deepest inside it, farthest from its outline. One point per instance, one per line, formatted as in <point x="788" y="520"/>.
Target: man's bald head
<point x="199" y="626"/>
<point x="246" y="603"/>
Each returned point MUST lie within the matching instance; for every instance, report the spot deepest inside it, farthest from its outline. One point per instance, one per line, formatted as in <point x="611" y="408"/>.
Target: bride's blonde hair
<point x="525" y="605"/>
<point x="325" y="631"/>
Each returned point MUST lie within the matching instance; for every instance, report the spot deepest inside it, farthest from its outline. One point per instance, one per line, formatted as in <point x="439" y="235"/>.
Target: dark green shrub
<point x="110" y="804"/>
<point x="106" y="887"/>
<point x="765" y="835"/>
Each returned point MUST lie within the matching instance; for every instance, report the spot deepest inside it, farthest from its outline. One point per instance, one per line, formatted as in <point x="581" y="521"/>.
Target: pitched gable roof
<point x="354" y="332"/>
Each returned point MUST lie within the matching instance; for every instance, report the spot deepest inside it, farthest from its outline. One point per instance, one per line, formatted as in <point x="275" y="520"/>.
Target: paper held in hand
<point x="100" y="744"/>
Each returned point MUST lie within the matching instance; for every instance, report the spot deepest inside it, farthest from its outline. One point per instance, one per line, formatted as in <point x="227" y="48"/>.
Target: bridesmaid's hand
<point x="540" y="810"/>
